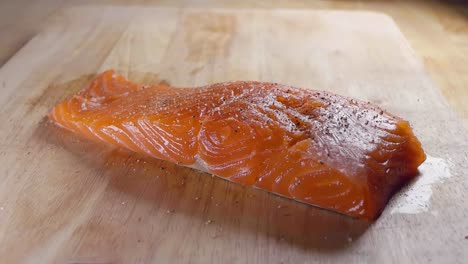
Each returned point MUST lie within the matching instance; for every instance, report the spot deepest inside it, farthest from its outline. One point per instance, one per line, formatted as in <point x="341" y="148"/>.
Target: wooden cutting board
<point x="64" y="199"/>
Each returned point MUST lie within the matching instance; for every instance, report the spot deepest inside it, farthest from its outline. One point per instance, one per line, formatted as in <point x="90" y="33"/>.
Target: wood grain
<point x="437" y="30"/>
<point x="64" y="199"/>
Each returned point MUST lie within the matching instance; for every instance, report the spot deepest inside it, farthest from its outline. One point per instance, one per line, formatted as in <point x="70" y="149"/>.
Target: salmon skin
<point x="315" y="147"/>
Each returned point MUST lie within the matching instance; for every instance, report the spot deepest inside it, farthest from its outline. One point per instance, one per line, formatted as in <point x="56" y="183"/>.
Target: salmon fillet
<point x="315" y="147"/>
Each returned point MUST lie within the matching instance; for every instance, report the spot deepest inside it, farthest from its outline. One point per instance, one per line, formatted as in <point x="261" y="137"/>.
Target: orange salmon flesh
<point x="315" y="147"/>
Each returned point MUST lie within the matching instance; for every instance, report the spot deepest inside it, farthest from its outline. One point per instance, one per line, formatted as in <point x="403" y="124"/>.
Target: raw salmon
<point x="315" y="147"/>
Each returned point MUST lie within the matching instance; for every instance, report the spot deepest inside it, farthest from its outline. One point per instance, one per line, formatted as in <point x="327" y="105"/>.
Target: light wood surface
<point x="437" y="30"/>
<point x="64" y="199"/>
